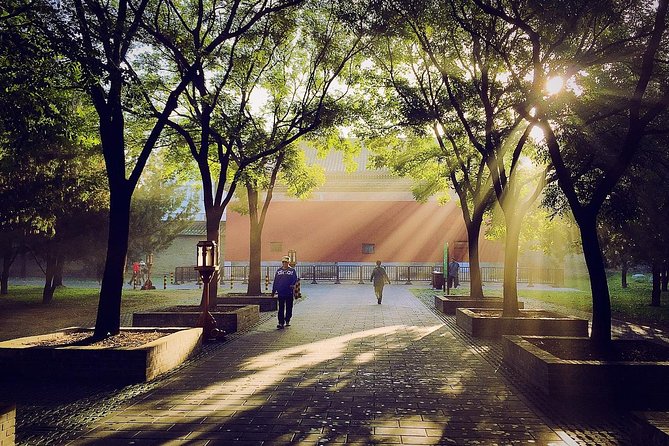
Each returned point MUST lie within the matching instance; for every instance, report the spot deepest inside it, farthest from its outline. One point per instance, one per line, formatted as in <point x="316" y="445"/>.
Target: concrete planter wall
<point x="449" y="304"/>
<point x="529" y="322"/>
<point x="7" y="424"/>
<point x="624" y="382"/>
<point x="230" y="318"/>
<point x="18" y="358"/>
<point x="649" y="428"/>
<point x="265" y="302"/>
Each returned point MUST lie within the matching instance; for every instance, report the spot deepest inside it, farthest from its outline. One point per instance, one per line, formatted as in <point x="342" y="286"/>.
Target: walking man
<point x="283" y="286"/>
<point x="379" y="278"/>
<point x="453" y="273"/>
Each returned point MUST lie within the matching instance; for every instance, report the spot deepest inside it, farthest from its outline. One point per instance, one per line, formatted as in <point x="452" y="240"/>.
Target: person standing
<point x="285" y="279"/>
<point x="135" y="274"/>
<point x="379" y="279"/>
<point x="453" y="274"/>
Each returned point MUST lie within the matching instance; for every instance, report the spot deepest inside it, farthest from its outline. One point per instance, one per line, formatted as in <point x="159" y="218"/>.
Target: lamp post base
<point x="209" y="327"/>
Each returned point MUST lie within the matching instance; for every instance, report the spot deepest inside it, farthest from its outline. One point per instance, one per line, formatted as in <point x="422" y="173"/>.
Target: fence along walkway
<point x="406" y="274"/>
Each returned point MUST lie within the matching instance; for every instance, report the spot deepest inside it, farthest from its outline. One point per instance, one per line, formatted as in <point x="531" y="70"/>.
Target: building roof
<point x="374" y="183"/>
<point x="195" y="228"/>
<point x="334" y="160"/>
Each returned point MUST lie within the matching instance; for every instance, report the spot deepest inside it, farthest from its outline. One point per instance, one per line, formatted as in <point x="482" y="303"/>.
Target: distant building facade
<point x="357" y="217"/>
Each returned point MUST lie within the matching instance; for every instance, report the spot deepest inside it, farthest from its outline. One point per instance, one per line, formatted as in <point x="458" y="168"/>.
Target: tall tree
<point x="476" y="79"/>
<point x="302" y="80"/>
<point x="421" y="97"/>
<point x="52" y="176"/>
<point x="205" y="41"/>
<point x="634" y="216"/>
<point x="101" y="38"/>
<point x="106" y="39"/>
<point x="287" y="167"/>
<point x="609" y="54"/>
<point x="292" y="59"/>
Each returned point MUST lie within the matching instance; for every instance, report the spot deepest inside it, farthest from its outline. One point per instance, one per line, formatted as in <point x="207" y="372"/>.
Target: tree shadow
<point x="394" y="384"/>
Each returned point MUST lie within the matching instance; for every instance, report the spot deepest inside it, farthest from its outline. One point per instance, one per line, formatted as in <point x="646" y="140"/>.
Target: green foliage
<point x="300" y="177"/>
<point x="554" y="236"/>
<point x="417" y="157"/>
<point x="633" y="218"/>
<point x="52" y="182"/>
<point x="161" y="209"/>
<point x="329" y="139"/>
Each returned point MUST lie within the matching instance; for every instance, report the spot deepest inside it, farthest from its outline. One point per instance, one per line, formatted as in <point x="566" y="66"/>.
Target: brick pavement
<point x="348" y="371"/>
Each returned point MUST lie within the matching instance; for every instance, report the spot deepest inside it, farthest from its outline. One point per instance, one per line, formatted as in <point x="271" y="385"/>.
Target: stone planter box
<point x="649" y="428"/>
<point x="449" y="304"/>
<point x="230" y="318"/>
<point x="490" y="323"/>
<point x="21" y="358"/>
<point x="7" y="424"/>
<point x="629" y="383"/>
<point x="265" y="301"/>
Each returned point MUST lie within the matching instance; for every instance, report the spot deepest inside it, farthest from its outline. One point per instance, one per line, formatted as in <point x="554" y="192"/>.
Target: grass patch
<point x="578" y="300"/>
<point x="24" y="314"/>
<point x="630" y="304"/>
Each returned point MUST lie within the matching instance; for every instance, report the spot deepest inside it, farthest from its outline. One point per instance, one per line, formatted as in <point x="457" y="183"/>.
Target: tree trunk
<point x="254" y="287"/>
<point x="623" y="274"/>
<point x="4" y="276"/>
<point x="108" y="322"/>
<point x="510" y="293"/>
<point x="601" y="302"/>
<point x="8" y="256"/>
<point x="655" y="294"/>
<point x="213" y="233"/>
<point x="49" y="286"/>
<point x="476" y="282"/>
<point x="665" y="275"/>
<point x="58" y="273"/>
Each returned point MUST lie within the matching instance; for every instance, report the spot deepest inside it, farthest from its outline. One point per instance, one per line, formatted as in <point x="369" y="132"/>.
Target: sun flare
<point x="554" y="85"/>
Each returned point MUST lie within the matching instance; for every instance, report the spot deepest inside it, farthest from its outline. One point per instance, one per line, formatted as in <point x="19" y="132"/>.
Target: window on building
<point x="368" y="248"/>
<point x="276" y="246"/>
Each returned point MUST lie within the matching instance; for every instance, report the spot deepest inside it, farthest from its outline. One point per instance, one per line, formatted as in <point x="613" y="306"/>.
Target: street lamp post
<point x="207" y="266"/>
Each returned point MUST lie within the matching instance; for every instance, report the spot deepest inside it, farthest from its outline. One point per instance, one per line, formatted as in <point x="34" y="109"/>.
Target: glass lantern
<point x="207" y="255"/>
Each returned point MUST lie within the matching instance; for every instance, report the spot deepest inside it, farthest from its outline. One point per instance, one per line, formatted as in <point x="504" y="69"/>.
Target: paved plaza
<point x="347" y="371"/>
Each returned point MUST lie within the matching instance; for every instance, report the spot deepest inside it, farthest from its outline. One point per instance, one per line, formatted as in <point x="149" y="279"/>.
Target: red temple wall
<point x="328" y="231"/>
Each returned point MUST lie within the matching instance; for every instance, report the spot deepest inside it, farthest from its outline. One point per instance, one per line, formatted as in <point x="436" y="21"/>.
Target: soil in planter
<point x="224" y="295"/>
<point x="182" y="309"/>
<point x="635" y="351"/>
<point x="85" y="338"/>
<point x="197" y="308"/>
<point x="527" y="314"/>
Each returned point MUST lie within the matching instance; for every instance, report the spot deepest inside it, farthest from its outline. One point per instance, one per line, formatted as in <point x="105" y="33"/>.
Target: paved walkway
<point x="348" y="371"/>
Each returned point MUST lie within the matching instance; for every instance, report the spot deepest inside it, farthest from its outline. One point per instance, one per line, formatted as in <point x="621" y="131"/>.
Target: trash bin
<point x="437" y="280"/>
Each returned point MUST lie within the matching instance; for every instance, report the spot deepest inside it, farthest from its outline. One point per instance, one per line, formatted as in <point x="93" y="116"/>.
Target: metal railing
<point x="406" y="274"/>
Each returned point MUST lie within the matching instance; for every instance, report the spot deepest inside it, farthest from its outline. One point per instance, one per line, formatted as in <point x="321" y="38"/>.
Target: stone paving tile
<point x="348" y="371"/>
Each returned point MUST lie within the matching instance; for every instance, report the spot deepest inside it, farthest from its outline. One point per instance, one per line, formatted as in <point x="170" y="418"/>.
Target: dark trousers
<point x="285" y="309"/>
<point x="453" y="282"/>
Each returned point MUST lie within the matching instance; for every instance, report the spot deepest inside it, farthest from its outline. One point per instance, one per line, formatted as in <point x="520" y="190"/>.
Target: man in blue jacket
<point x="284" y="282"/>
